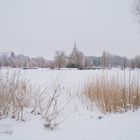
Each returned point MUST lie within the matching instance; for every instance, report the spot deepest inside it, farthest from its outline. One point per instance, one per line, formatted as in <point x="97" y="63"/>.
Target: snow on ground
<point x="80" y="125"/>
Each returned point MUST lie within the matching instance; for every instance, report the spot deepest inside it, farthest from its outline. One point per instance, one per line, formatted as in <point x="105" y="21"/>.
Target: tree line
<point x="76" y="59"/>
<point x="19" y="61"/>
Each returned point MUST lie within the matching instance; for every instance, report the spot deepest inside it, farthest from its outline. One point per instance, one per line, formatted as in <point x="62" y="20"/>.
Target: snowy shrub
<point x="14" y="95"/>
<point x="47" y="103"/>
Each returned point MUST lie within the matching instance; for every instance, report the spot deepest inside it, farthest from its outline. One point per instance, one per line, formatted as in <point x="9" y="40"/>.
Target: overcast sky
<point x="40" y="27"/>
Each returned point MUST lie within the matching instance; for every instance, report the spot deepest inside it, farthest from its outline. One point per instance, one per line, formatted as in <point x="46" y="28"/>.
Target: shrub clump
<point x="14" y="95"/>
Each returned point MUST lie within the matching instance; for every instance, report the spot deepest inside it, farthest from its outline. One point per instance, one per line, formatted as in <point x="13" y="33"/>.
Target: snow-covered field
<point x="81" y="124"/>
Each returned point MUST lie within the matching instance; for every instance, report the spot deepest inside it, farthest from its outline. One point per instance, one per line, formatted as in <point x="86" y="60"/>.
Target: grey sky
<point x="40" y="27"/>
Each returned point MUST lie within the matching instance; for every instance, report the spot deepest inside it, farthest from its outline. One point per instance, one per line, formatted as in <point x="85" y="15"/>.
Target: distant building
<point x="7" y="54"/>
<point x="92" y="61"/>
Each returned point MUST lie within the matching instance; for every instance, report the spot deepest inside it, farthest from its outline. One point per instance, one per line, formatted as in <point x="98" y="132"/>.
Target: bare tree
<point x="124" y="63"/>
<point x="137" y="61"/>
<point x="106" y="59"/>
<point x="132" y="63"/>
<point x="59" y="59"/>
<point x="39" y="61"/>
<point x="136" y="9"/>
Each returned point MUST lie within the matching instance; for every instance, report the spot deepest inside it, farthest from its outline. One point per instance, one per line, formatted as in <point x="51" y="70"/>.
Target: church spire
<point x="74" y="44"/>
<point x="75" y="47"/>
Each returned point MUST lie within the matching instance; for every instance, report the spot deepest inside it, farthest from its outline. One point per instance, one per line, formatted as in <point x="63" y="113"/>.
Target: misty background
<point x="40" y="27"/>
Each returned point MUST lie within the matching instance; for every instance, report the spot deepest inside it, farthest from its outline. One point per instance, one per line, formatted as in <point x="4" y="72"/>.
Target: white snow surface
<point x="81" y="124"/>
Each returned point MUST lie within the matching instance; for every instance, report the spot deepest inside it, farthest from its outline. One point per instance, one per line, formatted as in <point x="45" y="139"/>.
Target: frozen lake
<point x="73" y="78"/>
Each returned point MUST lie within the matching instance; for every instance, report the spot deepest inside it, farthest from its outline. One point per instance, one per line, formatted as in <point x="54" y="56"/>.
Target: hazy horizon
<point x="41" y="27"/>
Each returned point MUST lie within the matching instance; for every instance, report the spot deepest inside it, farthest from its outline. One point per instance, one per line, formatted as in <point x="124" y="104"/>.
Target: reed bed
<point x="113" y="94"/>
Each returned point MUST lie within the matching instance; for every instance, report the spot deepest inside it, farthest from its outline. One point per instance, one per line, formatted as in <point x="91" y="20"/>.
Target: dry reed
<point x="113" y="94"/>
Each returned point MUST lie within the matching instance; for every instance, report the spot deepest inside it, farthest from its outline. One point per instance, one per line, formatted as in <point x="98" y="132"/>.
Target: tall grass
<point x="113" y="94"/>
